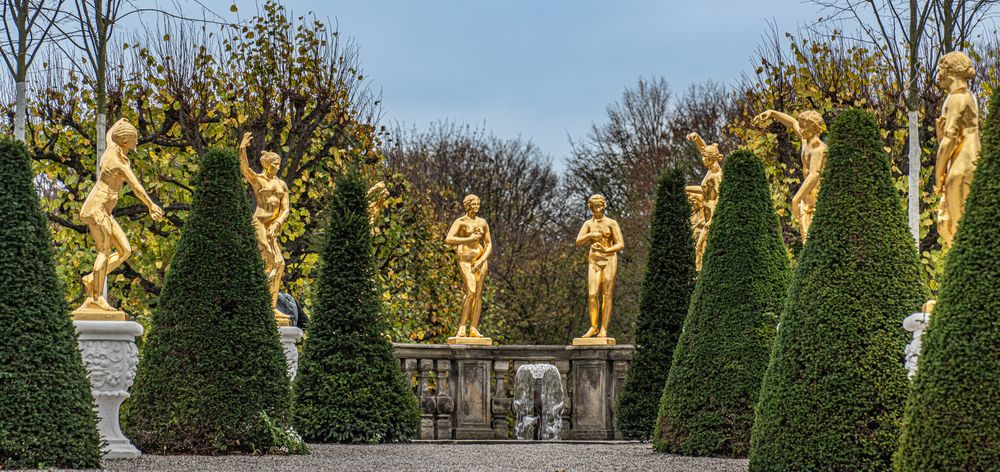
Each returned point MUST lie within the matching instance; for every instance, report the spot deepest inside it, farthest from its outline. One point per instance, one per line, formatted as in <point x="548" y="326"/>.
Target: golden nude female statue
<point x="808" y="126"/>
<point x="271" y="195"/>
<point x="706" y="195"/>
<point x="958" y="142"/>
<point x="470" y="235"/>
<point x="605" y="239"/>
<point x="114" y="169"/>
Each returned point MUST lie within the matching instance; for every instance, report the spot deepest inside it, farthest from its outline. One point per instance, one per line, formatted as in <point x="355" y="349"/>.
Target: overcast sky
<point x="541" y="69"/>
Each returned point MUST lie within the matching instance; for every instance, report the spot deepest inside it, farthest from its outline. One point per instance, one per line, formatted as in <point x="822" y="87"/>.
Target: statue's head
<point x="954" y="66"/>
<point x="270" y="162"/>
<point x="711" y="155"/>
<point x="124" y="135"/>
<point x="471" y="204"/>
<point x="811" y="123"/>
<point x="597" y="203"/>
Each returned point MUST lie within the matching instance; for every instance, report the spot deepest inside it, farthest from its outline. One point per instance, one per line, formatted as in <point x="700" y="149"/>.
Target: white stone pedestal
<point x="916" y="324"/>
<point x="289" y="335"/>
<point x="111" y="357"/>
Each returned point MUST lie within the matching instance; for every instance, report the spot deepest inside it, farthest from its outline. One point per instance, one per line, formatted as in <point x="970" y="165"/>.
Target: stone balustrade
<point x="465" y="392"/>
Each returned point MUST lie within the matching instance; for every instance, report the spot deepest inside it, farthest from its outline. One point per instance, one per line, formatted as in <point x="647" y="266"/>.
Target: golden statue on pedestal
<point x="470" y="235"/>
<point x="114" y="169"/>
<point x="705" y="196"/>
<point x="958" y="142"/>
<point x="605" y="239"/>
<point x="271" y="195"/>
<point x="808" y="126"/>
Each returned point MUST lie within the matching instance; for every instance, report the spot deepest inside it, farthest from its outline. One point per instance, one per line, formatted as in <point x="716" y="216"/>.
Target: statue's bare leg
<point x="123" y="250"/>
<point x="468" y="302"/>
<point x="277" y="271"/>
<point x="607" y="290"/>
<point x="593" y="298"/>
<point x="477" y="309"/>
<point x="94" y="282"/>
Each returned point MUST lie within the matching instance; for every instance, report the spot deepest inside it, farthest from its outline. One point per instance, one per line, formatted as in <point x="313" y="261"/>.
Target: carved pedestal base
<point x="594" y="341"/>
<point x="470" y="341"/>
<point x="111" y="357"/>
<point x="289" y="335"/>
<point x="916" y="324"/>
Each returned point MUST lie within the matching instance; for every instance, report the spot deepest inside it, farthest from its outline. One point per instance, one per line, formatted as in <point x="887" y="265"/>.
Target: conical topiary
<point x="349" y="388"/>
<point x="666" y="291"/>
<point x="832" y="398"/>
<point x="46" y="408"/>
<point x="952" y="419"/>
<point x="708" y="400"/>
<point x="212" y="377"/>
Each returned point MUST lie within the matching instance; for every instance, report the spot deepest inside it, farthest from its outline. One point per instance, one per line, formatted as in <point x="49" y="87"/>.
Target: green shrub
<point x="46" y="408"/>
<point x="212" y="374"/>
<point x="952" y="419"/>
<point x="666" y="290"/>
<point x="708" y="401"/>
<point x="833" y="394"/>
<point x="349" y="388"/>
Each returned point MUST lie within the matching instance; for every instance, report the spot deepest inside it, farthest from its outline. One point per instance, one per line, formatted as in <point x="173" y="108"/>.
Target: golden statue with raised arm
<point x="271" y="195"/>
<point x="470" y="235"/>
<point x="114" y="169"/>
<point x="808" y="126"/>
<point x="605" y="239"/>
<point x="958" y="142"/>
<point x="706" y="195"/>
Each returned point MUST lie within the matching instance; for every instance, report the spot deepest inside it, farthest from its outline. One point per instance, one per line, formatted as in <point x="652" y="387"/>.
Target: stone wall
<point x="465" y="392"/>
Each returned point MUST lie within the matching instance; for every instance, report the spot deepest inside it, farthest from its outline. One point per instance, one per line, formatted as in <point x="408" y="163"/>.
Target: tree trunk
<point x="913" y="193"/>
<point x="20" y="111"/>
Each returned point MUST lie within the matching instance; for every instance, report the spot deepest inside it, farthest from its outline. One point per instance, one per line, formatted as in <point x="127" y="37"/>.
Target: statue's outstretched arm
<point x="248" y="173"/>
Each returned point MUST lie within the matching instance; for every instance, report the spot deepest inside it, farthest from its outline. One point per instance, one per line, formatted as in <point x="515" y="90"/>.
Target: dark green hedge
<point x="952" y="419"/>
<point x="707" y="406"/>
<point x="833" y="395"/>
<point x="46" y="414"/>
<point x="349" y="388"/>
<point x="666" y="291"/>
<point x="212" y="364"/>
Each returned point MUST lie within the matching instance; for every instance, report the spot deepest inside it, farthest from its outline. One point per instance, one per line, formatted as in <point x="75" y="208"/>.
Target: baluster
<point x="444" y="402"/>
<point x="502" y="400"/>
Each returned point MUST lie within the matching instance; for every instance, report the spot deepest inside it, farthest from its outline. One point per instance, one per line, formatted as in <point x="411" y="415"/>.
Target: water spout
<point x="538" y="402"/>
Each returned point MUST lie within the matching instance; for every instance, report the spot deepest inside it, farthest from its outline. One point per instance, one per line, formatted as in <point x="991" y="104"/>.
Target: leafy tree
<point x="213" y="377"/>
<point x="708" y="400"/>
<point x="349" y="387"/>
<point x="666" y="289"/>
<point x="952" y="419"/>
<point x="46" y="409"/>
<point x="832" y="397"/>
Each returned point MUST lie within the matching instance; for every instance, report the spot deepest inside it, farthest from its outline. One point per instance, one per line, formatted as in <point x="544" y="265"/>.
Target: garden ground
<point x="466" y="456"/>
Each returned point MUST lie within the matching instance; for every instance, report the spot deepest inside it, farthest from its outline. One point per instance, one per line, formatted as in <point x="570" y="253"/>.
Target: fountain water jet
<point x="538" y="402"/>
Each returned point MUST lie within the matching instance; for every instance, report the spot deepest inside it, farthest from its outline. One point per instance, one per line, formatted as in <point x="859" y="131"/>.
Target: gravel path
<point x="444" y="456"/>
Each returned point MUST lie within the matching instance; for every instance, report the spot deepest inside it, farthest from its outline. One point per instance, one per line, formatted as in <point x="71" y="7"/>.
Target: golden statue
<point x="271" y="195"/>
<point x="114" y="169"/>
<point x="809" y="126"/>
<point x="471" y="237"/>
<point x="376" y="199"/>
<point x="704" y="196"/>
<point x="605" y="239"/>
<point x="958" y="142"/>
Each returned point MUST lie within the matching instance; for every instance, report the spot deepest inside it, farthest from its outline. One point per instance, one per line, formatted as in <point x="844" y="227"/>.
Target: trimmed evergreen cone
<point x="349" y="388"/>
<point x="833" y="394"/>
<point x="707" y="406"/>
<point x="666" y="291"/>
<point x="952" y="419"/>
<point x="46" y="408"/>
<point x="212" y="377"/>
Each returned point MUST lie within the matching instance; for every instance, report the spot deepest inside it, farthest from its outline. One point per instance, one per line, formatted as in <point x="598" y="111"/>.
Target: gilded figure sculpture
<point x="809" y="126"/>
<point x="470" y="235"/>
<point x="376" y="200"/>
<point x="958" y="142"/>
<point x="604" y="237"/>
<point x="113" y="248"/>
<point x="272" y="209"/>
<point x="705" y="196"/>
